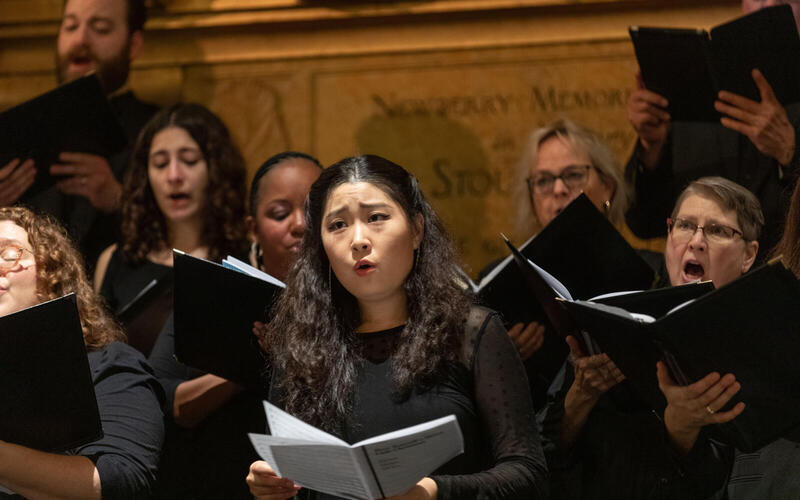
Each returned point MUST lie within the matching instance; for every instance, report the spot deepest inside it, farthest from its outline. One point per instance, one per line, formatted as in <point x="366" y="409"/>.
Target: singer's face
<point x="178" y="175"/>
<point x="17" y="279"/>
<point x="279" y="221"/>
<point x="573" y="173"/>
<point x="94" y="37"/>
<point x="369" y="242"/>
<point x="697" y="257"/>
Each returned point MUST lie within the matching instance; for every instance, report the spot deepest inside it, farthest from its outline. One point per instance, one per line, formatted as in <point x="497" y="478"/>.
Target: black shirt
<point x="487" y="392"/>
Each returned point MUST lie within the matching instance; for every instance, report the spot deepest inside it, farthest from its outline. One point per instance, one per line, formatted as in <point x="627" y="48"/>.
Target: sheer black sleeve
<point x="516" y="465"/>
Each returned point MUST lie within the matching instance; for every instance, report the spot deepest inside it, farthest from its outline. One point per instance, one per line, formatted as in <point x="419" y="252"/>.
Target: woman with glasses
<point x="39" y="263"/>
<point x="561" y="160"/>
<point x="772" y="471"/>
<point x="602" y="438"/>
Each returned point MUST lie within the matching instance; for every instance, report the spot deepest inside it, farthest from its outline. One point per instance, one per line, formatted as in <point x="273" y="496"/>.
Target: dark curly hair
<point x="60" y="271"/>
<point x="312" y="331"/>
<point x="144" y="227"/>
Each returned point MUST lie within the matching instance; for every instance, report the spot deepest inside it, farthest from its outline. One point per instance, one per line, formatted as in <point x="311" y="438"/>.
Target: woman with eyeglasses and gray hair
<point x="560" y="161"/>
<point x="598" y="442"/>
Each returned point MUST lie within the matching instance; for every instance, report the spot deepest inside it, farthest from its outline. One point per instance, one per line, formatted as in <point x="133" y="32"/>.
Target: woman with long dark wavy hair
<point x="185" y="189"/>
<point x="374" y="334"/>
<point x="38" y="262"/>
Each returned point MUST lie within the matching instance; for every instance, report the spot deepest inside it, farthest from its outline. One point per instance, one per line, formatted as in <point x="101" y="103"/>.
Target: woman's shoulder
<point x="118" y="357"/>
<point x="479" y="319"/>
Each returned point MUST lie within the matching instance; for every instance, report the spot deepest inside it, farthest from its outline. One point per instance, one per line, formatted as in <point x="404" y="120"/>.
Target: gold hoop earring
<point x="255" y="255"/>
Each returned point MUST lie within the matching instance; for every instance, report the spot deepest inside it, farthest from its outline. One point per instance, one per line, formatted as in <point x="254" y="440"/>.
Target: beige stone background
<point x="447" y="88"/>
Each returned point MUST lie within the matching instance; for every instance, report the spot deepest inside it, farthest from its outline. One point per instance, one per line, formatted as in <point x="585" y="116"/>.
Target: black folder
<point x="583" y="250"/>
<point x="144" y="316"/>
<point x="655" y="302"/>
<point x="748" y="327"/>
<point x="586" y="253"/>
<point x="46" y="386"/>
<point x="73" y="117"/>
<point x="215" y="308"/>
<point x="689" y="66"/>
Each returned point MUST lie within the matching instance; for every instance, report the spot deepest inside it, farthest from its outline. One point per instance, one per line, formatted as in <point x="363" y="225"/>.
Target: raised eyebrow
<point x="361" y="205"/>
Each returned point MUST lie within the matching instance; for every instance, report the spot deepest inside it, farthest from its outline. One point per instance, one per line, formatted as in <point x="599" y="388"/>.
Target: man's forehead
<point x="85" y="9"/>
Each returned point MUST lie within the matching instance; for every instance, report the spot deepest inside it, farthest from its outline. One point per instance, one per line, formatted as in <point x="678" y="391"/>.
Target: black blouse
<point x="488" y="393"/>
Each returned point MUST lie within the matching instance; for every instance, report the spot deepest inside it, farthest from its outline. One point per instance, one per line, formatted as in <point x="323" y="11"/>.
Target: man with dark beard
<point x="101" y="36"/>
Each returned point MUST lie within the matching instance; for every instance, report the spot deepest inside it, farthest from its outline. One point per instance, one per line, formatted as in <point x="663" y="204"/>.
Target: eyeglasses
<point x="573" y="176"/>
<point x="10" y="256"/>
<point x="683" y="230"/>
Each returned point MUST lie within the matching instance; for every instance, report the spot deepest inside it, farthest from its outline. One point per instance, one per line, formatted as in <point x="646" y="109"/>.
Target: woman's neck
<point x="185" y="236"/>
<point x="383" y="314"/>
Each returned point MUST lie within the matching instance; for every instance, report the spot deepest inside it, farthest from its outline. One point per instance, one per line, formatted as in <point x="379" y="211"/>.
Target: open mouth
<point x="178" y="196"/>
<point x="693" y="270"/>
<point x="364" y="267"/>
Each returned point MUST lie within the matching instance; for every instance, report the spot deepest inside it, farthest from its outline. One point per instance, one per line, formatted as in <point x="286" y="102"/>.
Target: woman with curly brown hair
<point x="373" y="334"/>
<point x="185" y="189"/>
<point x="40" y="263"/>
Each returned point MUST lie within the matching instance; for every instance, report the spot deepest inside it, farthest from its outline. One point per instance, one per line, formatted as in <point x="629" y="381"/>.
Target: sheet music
<point x="384" y="465"/>
<point x="281" y="424"/>
<point x="243" y="267"/>
<point x="400" y="458"/>
<point x="556" y="285"/>
<point x="320" y="467"/>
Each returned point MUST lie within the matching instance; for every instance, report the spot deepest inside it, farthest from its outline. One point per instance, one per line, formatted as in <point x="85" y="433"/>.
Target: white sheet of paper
<point x="244" y="267"/>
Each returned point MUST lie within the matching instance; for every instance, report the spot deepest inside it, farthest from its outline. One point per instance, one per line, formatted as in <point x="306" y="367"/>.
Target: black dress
<point x="209" y="461"/>
<point x="122" y="282"/>
<point x="487" y="392"/>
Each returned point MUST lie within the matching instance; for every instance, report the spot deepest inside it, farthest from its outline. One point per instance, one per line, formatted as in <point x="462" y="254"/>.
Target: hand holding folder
<point x="747" y="328"/>
<point x="689" y="67"/>
<point x="75" y="117"/>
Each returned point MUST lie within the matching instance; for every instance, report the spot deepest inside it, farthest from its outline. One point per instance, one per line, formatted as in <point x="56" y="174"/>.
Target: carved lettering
<point x="550" y="99"/>
<point x="453" y="106"/>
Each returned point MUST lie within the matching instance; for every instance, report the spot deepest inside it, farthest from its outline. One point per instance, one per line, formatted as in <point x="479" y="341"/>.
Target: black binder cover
<point x="74" y="117"/>
<point x="689" y="67"/>
<point x="215" y="309"/>
<point x="144" y="316"/>
<point x="748" y="328"/>
<point x="45" y="381"/>
<point x="584" y="252"/>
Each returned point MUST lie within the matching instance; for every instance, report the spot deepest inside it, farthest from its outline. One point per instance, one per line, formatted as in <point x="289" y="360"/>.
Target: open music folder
<point x="379" y="467"/>
<point x="587" y="254"/>
<point x="215" y="307"/>
<point x="748" y="327"/>
<point x="690" y="66"/>
<point x="46" y="389"/>
<point x="74" y="117"/>
<point x="549" y="292"/>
